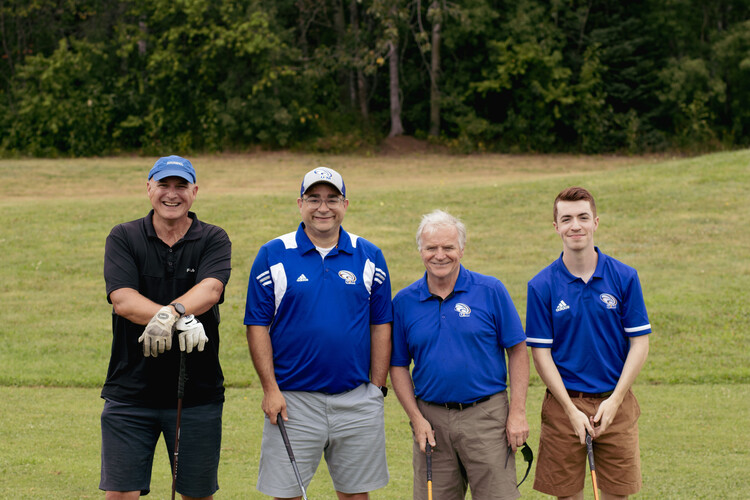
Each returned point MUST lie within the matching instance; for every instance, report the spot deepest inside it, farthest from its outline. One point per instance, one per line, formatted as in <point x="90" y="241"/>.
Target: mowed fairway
<point x="681" y="222"/>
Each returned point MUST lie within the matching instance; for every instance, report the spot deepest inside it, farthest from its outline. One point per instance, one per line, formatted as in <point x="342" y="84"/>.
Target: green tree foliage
<point x="92" y="77"/>
<point x="65" y="105"/>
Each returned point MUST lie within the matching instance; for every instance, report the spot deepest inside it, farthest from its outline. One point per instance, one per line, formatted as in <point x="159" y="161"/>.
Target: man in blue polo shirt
<point x="587" y="326"/>
<point x="318" y="319"/>
<point x="456" y="325"/>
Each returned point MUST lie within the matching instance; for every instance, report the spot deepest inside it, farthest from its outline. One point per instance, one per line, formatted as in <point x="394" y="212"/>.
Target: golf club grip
<point x="181" y="378"/>
<point x="590" y="451"/>
<point x="428" y="453"/>
<point x="282" y="428"/>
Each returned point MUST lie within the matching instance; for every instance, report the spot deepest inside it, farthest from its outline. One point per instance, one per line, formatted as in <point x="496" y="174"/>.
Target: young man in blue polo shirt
<point x="456" y="325"/>
<point x="587" y="326"/>
<point x="318" y="319"/>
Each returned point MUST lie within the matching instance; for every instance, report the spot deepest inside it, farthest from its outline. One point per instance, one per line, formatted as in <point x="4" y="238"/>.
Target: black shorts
<point x="129" y="437"/>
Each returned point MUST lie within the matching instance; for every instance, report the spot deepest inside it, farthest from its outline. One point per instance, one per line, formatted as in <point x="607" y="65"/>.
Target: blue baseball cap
<point x="172" y="166"/>
<point x="323" y="174"/>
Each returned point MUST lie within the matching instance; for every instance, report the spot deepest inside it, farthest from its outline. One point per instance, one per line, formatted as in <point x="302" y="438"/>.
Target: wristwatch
<point x="179" y="308"/>
<point x="384" y="390"/>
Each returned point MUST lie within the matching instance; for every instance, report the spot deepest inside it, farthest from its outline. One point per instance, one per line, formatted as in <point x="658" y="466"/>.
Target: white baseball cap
<point x="323" y="174"/>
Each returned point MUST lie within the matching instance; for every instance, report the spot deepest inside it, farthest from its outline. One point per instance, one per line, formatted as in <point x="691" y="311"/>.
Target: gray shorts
<point x="348" y="428"/>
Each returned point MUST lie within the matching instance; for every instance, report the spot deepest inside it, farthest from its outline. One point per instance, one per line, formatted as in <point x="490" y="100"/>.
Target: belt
<point x="579" y="394"/>
<point x="460" y="406"/>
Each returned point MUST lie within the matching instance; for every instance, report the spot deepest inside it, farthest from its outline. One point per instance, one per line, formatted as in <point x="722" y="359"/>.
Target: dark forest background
<point x="102" y="77"/>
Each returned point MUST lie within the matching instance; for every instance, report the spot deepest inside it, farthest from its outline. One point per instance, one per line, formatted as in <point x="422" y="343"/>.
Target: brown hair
<point x="574" y="193"/>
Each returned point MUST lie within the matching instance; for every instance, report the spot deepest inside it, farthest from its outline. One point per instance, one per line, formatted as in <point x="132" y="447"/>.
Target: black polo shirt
<point x="135" y="257"/>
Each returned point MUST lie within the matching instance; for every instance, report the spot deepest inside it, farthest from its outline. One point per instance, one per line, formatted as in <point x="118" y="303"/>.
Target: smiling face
<point x="576" y="224"/>
<point x="171" y="197"/>
<point x="322" y="223"/>
<point x="441" y="254"/>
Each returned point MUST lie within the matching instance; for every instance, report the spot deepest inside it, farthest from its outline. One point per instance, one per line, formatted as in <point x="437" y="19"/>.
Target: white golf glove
<point x="157" y="337"/>
<point x="191" y="333"/>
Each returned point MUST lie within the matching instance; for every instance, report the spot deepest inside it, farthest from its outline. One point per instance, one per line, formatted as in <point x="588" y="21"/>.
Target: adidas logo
<point x="562" y="306"/>
<point x="302" y="277"/>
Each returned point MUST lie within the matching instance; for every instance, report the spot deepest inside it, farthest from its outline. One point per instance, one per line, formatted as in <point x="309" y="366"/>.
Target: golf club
<point x="282" y="428"/>
<point x="428" y="452"/>
<point x="590" y="450"/>
<point x="180" y="393"/>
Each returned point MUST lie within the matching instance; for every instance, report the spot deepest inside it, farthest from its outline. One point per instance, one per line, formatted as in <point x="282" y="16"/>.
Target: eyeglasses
<point x="315" y="202"/>
<point x="528" y="457"/>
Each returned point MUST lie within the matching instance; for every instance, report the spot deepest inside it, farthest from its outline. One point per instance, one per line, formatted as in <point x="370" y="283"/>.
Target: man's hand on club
<point x="605" y="415"/>
<point x="423" y="432"/>
<point x="191" y="333"/>
<point x="157" y="337"/>
<point x="274" y="403"/>
<point x="581" y="424"/>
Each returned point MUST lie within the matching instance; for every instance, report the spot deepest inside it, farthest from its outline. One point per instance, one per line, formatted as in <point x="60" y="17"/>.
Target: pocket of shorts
<point x="375" y="391"/>
<point x="636" y="405"/>
<point x="495" y="413"/>
<point x="548" y="397"/>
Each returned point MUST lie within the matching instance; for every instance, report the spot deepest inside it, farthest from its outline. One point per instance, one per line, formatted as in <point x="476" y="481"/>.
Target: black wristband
<point x="179" y="308"/>
<point x="384" y="390"/>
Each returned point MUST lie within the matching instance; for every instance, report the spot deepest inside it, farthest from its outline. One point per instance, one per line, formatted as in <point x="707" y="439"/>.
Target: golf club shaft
<point x="282" y="428"/>
<point x="592" y="466"/>
<point x="428" y="453"/>
<point x="180" y="394"/>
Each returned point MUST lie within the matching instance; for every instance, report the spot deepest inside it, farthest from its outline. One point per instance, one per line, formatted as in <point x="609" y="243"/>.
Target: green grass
<point x="680" y="222"/>
<point x="694" y="445"/>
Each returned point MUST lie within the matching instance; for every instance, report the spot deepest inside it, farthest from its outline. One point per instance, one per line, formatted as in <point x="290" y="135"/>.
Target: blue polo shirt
<point x="319" y="309"/>
<point x="456" y="344"/>
<point x="587" y="325"/>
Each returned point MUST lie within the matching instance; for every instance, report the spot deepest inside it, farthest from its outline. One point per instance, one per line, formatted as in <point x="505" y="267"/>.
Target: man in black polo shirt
<point x="158" y="269"/>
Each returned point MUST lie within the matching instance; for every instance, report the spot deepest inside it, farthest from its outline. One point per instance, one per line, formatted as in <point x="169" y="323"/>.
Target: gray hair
<point x="436" y="219"/>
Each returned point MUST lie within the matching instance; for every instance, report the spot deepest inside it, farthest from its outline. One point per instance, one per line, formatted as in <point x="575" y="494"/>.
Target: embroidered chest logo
<point x="348" y="277"/>
<point x="463" y="310"/>
<point x="562" y="306"/>
<point x="609" y="300"/>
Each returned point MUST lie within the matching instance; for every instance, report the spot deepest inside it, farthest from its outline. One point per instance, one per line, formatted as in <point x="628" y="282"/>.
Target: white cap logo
<point x="323" y="173"/>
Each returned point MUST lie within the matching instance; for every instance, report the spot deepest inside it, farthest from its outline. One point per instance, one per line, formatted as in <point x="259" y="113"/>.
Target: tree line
<point x="94" y="77"/>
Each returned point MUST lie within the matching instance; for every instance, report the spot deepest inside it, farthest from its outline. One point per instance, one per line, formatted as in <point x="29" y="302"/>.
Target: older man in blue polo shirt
<point x="456" y="325"/>
<point x="318" y="319"/>
<point x="588" y="330"/>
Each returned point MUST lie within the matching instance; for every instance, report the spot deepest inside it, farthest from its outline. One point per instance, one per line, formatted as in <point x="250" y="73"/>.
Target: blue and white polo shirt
<point x="587" y="325"/>
<point x="319" y="309"/>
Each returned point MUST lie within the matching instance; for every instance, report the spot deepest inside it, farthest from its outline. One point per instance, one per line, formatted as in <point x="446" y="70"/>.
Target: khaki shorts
<point x="470" y="451"/>
<point x="562" y="464"/>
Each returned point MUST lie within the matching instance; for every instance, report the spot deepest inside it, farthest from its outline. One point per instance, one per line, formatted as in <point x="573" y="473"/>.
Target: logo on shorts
<point x="348" y="277"/>
<point x="609" y="300"/>
<point x="463" y="310"/>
